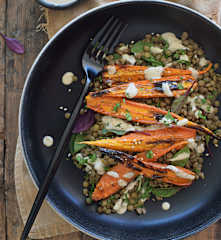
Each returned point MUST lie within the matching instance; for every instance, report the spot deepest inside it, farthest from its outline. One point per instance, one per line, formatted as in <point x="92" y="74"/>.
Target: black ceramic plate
<point x="192" y="209"/>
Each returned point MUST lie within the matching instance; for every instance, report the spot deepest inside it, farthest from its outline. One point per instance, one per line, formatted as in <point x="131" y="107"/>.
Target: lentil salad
<point x="200" y="106"/>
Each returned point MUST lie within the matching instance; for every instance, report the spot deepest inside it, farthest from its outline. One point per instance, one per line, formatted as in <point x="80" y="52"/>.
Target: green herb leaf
<point x="180" y="86"/>
<point x="178" y="103"/>
<point x="116" y="56"/>
<point x="181" y="158"/>
<point x="117" y="132"/>
<point x="93" y="157"/>
<point x="149" y="154"/>
<point x="74" y="143"/>
<point x="147" y="189"/>
<point x="196" y="170"/>
<point x="152" y="61"/>
<point x="116" y="107"/>
<point x="168" y="119"/>
<point x="107" y="168"/>
<point x="203" y="100"/>
<point x="200" y="115"/>
<point x="123" y="100"/>
<point x="128" y="115"/>
<point x="165" y="192"/>
<point x="81" y="160"/>
<point x="138" y="47"/>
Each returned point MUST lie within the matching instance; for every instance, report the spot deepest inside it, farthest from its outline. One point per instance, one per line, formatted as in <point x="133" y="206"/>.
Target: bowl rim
<point x="60" y="31"/>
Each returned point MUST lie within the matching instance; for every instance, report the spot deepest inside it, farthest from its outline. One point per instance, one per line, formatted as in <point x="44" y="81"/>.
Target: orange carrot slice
<point x="139" y="142"/>
<point x="206" y="69"/>
<point x="128" y="73"/>
<point x="134" y="111"/>
<point x="145" y="89"/>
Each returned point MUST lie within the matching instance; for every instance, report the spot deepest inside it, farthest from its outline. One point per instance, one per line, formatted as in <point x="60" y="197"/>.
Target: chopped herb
<point x="127" y="95"/>
<point x="200" y="115"/>
<point x="142" y="89"/>
<point x="146" y="188"/>
<point x="118" y="125"/>
<point x="126" y="198"/>
<point x="107" y="168"/>
<point x="168" y="119"/>
<point x="138" y="47"/>
<point x="149" y="154"/>
<point x="128" y="115"/>
<point x="211" y="96"/>
<point x="93" y="157"/>
<point x="91" y="190"/>
<point x="196" y="170"/>
<point x="203" y="100"/>
<point x="208" y="108"/>
<point x="180" y="86"/>
<point x="165" y="192"/>
<point x="116" y="107"/>
<point x="123" y="100"/>
<point x="116" y="56"/>
<point x="181" y="78"/>
<point x="81" y="160"/>
<point x="158" y="104"/>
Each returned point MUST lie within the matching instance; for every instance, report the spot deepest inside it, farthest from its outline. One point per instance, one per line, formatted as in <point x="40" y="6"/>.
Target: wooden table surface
<point x="19" y="18"/>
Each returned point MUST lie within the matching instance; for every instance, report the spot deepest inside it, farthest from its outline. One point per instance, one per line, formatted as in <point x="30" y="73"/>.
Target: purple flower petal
<point x="13" y="44"/>
<point x="84" y="121"/>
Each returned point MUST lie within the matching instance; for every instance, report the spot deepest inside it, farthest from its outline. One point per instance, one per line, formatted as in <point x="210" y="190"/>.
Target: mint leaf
<point x="165" y="192"/>
<point x="180" y="86"/>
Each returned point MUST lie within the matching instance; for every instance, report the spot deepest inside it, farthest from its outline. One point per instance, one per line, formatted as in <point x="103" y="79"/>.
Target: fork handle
<point x="53" y="165"/>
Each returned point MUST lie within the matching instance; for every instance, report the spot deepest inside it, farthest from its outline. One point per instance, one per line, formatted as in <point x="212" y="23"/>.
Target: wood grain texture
<point x="22" y="19"/>
<point x="2" y="106"/>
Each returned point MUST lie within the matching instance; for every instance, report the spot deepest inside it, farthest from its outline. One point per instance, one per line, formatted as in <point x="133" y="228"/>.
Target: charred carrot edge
<point x="109" y="185"/>
<point x="139" y="142"/>
<point x="149" y="90"/>
<point x="128" y="73"/>
<point x="135" y="111"/>
<point x="206" y="69"/>
<point x="166" y="174"/>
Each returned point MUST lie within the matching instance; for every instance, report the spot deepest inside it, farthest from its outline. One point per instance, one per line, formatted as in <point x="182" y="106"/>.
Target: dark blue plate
<point x="194" y="208"/>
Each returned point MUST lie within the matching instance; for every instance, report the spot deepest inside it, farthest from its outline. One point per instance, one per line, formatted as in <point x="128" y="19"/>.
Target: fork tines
<point x="106" y="39"/>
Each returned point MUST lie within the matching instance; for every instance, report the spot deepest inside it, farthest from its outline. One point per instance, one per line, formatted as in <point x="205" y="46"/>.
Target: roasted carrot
<point x="206" y="69"/>
<point x="139" y="141"/>
<point x="109" y="185"/>
<point x="134" y="111"/>
<point x="145" y="89"/>
<point x="167" y="173"/>
<point x="128" y="73"/>
<point x="175" y="71"/>
<point x="160" y="150"/>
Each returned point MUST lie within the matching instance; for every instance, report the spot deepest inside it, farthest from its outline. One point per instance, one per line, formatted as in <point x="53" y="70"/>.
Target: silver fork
<point x="92" y="62"/>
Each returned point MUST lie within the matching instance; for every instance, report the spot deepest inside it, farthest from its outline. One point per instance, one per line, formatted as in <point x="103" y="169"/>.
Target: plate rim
<point x="47" y="45"/>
